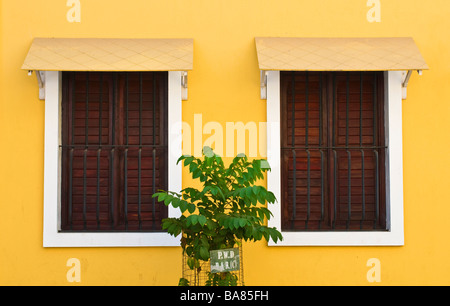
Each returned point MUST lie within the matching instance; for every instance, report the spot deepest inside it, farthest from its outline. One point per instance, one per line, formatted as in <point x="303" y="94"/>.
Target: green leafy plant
<point x="228" y="209"/>
<point x="222" y="279"/>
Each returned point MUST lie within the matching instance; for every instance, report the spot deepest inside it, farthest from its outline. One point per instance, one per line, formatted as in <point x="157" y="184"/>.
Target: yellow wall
<point x="224" y="86"/>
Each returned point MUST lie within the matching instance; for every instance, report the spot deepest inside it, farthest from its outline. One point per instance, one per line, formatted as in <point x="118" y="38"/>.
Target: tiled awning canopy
<point x="338" y="54"/>
<point x="101" y="54"/>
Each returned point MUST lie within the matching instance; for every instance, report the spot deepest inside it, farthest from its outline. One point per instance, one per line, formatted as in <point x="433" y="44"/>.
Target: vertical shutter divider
<point x="86" y="139"/>
<point x="361" y="89"/>
<point x="73" y="107"/>
<point x="333" y="118"/>
<point x="126" y="151"/>
<point x="294" y="184"/>
<point x="308" y="167"/>
<point x="154" y="151"/>
<point x="322" y="178"/>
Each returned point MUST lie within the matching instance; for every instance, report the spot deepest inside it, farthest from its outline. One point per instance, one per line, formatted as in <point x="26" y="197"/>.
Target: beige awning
<point x="94" y="54"/>
<point x="338" y="54"/>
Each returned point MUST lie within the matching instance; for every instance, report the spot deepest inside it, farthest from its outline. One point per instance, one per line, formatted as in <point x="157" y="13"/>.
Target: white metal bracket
<point x="263" y="77"/>
<point x="40" y="75"/>
<point x="184" y="85"/>
<point x="406" y="77"/>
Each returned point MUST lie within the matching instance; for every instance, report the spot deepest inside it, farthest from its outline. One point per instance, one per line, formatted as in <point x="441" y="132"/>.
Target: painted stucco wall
<point x="224" y="87"/>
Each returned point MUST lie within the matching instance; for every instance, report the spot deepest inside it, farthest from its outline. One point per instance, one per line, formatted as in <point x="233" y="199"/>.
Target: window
<point x="332" y="148"/>
<point x="348" y="175"/>
<point x="113" y="134"/>
<point x="333" y="151"/>
<point x="114" y="151"/>
<point x="57" y="232"/>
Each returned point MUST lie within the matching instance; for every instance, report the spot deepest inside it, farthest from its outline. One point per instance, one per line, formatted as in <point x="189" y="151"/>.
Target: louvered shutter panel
<point x="359" y="142"/>
<point x="144" y="149"/>
<point x="332" y="151"/>
<point x="114" y="151"/>
<point x="303" y="165"/>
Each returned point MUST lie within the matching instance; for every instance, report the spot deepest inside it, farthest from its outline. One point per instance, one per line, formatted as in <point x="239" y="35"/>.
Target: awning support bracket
<point x="184" y="85"/>
<point x="263" y="77"/>
<point x="40" y="75"/>
<point x="407" y="76"/>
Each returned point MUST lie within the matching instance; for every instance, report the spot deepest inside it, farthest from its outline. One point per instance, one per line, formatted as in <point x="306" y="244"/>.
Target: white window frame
<point x="394" y="173"/>
<point x="52" y="237"/>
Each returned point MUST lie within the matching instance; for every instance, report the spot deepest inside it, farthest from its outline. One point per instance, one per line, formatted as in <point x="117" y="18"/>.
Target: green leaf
<point x="257" y="165"/>
<point x="189" y="250"/>
<point x="196" y="173"/>
<point x="210" y="224"/>
<point x="254" y="200"/>
<point x="191" y="263"/>
<point x="201" y="220"/>
<point x="242" y="192"/>
<point x="208" y="152"/>
<point x="192" y="167"/>
<point x="194" y="219"/>
<point x="228" y="223"/>
<point x="174" y="229"/>
<point x="224" y="222"/>
<point x="183" y="282"/>
<point x="214" y="190"/>
<point x="249" y="192"/>
<point x="242" y="222"/>
<point x="266" y="212"/>
<point x="219" y="160"/>
<point x="181" y="158"/>
<point x="188" y="160"/>
<point x="167" y="200"/>
<point x="175" y="202"/>
<point x="280" y="236"/>
<point x="274" y="234"/>
<point x="183" y="205"/>
<point x="204" y="253"/>
<point x="191" y="208"/>
<point x="236" y="222"/>
<point x="165" y="224"/>
<point x="264" y="164"/>
<point x="204" y="241"/>
<point x="178" y="231"/>
<point x="261" y="197"/>
<point x="271" y="197"/>
<point x="257" y="234"/>
<point x="161" y="197"/>
<point x="188" y="222"/>
<point x="256" y="189"/>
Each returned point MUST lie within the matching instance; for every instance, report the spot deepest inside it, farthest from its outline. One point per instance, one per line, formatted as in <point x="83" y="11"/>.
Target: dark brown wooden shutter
<point x="114" y="151"/>
<point x="332" y="151"/>
<point x="302" y="134"/>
